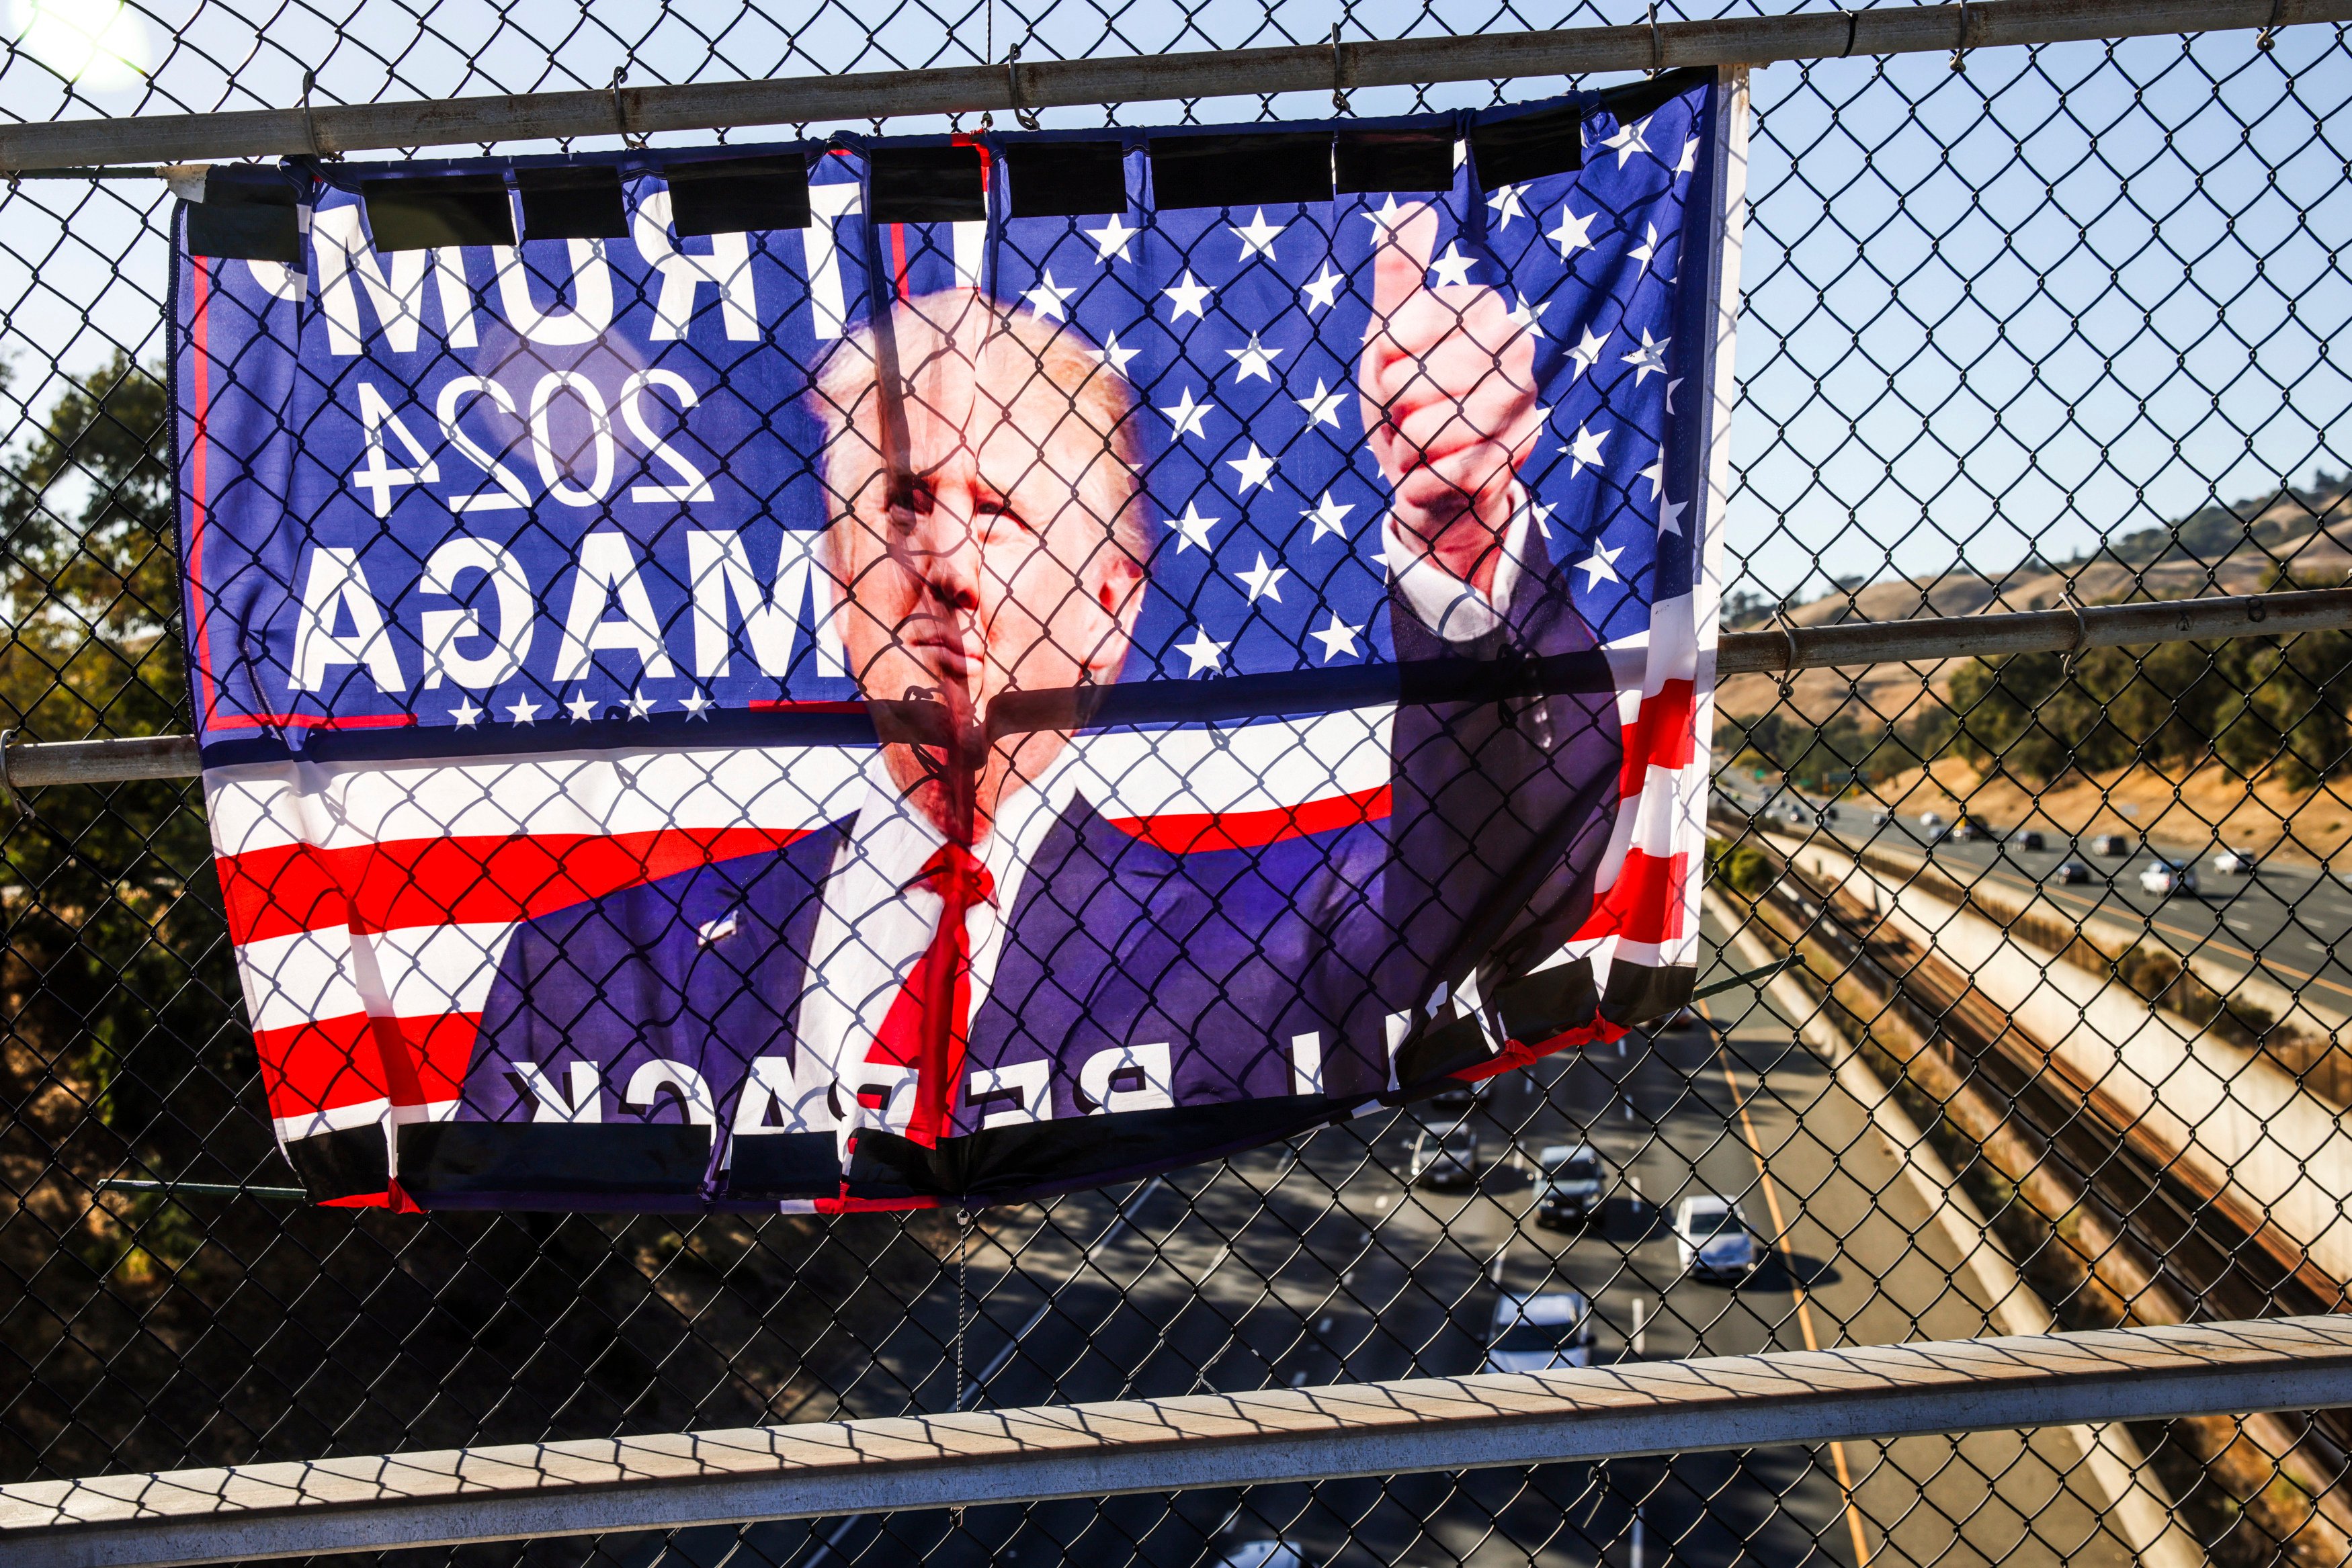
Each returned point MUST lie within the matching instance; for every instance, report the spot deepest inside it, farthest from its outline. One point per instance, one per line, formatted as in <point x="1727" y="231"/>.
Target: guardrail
<point x="1033" y="1454"/>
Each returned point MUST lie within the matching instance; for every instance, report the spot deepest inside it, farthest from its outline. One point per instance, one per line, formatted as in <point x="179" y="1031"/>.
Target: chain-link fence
<point x="2029" y="329"/>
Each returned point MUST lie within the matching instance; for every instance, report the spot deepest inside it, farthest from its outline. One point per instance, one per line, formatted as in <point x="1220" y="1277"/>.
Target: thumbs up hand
<point x="1447" y="381"/>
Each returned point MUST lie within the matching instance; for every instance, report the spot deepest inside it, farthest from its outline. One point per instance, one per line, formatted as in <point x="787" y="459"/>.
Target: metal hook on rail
<point x="2082" y="634"/>
<point x="1789" y="635"/>
<point x="1853" y="20"/>
<point x="1961" y="55"/>
<point x="630" y="139"/>
<point x="1028" y="117"/>
<point x="309" y="125"/>
<point x="2268" y="39"/>
<point x="1657" y="43"/>
<point x="1338" y="76"/>
<point x="8" y="796"/>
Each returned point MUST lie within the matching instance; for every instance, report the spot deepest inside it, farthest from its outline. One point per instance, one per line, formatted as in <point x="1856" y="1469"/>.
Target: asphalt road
<point x="2291" y="921"/>
<point x="1318" y="1264"/>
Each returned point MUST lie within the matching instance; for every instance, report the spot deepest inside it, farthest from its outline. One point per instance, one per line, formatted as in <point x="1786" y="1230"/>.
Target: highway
<point x="1317" y="1264"/>
<point x="2289" y="920"/>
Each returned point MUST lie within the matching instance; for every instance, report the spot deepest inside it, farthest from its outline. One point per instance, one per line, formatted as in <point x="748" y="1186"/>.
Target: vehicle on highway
<point x="2111" y="845"/>
<point x="2234" y="862"/>
<point x="1829" y="813"/>
<point x="2072" y="872"/>
<point x="1712" y="1237"/>
<point x="1459" y="1096"/>
<point x="1446" y="1159"/>
<point x="1931" y="820"/>
<point x="2029" y="838"/>
<point x="1878" y="819"/>
<point x="1540" y="1330"/>
<point x="1972" y="829"/>
<point x="2164" y="877"/>
<point x="1569" y="1179"/>
<point x="1260" y="1554"/>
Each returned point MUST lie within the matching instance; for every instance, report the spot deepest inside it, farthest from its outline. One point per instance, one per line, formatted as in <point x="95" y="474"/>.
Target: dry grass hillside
<point x="2239" y="548"/>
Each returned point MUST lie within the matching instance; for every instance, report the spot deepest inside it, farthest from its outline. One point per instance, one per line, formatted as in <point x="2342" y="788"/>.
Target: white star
<point x="1530" y="316"/>
<point x="1191" y="528"/>
<point x="1602" y="563"/>
<point x="1337" y="638"/>
<point x="1386" y="218"/>
<point x="694" y="702"/>
<point x="1649" y="357"/>
<point x="466" y="713"/>
<point x="1628" y="141"/>
<point x="1189" y="296"/>
<point x="1329" y="517"/>
<point x="1258" y="239"/>
<point x="1586" y="354"/>
<point x="1506" y="201"/>
<point x="1586" y="450"/>
<point x="1453" y="268"/>
<point x="1254" y="360"/>
<point x="1648" y="251"/>
<point x="1323" y="290"/>
<point x="525" y="711"/>
<point x="1046" y="299"/>
<point x="1574" y="233"/>
<point x="1670" y="516"/>
<point x="1205" y="652"/>
<point x="1255" y="469"/>
<point x="1111" y="239"/>
<point x="1191" y="418"/>
<point x="1672" y="383"/>
<point x="581" y="709"/>
<point x="1264" y="581"/>
<point x="1323" y="408"/>
<point x="1656" y="474"/>
<point x="1688" y="161"/>
<point x="641" y="704"/>
<point x="1111" y="354"/>
<point x="1540" y="515"/>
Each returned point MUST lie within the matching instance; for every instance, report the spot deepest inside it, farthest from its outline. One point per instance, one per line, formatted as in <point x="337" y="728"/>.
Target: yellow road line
<point x="1796" y="1288"/>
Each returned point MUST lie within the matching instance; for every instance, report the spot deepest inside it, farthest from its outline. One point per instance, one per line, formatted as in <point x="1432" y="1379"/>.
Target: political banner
<point x="897" y="672"/>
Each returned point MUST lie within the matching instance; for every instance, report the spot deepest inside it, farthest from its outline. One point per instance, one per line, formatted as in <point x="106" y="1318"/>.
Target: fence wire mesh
<point x="2054" y="328"/>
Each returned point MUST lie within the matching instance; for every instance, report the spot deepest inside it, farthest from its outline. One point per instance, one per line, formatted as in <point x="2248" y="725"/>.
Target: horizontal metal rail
<point x="333" y="130"/>
<point x="1778" y="651"/>
<point x="666" y="1482"/>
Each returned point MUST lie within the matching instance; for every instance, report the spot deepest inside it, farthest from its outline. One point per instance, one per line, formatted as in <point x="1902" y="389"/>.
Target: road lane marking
<point x="1796" y="1288"/>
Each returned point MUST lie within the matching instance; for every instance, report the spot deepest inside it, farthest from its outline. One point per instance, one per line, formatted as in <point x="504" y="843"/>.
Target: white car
<point x="2234" y="862"/>
<point x="2165" y="877"/>
<point x="1712" y="1237"/>
<point x="1539" y="1332"/>
<point x="1931" y="820"/>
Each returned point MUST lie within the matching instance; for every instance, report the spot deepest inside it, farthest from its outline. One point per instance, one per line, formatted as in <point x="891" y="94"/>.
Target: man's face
<point x="987" y="560"/>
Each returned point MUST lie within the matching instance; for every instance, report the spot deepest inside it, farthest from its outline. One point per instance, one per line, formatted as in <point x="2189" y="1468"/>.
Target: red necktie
<point x="930" y="1021"/>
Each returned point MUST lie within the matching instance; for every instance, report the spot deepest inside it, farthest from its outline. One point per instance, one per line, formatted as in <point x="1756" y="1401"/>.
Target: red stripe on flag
<point x="1663" y="735"/>
<point x="1184" y="832"/>
<point x="1644" y="903"/>
<point x="317" y="1066"/>
<point x="435" y="881"/>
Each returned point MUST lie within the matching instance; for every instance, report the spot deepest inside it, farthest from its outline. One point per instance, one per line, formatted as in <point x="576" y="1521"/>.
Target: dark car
<point x="2028" y="839"/>
<point x="1459" y="1096"/>
<point x="2113" y="846"/>
<point x="2070" y="873"/>
<point x="1567" y="1185"/>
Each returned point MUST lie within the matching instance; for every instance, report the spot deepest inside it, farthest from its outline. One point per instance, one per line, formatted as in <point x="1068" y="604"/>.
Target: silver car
<point x="1539" y="1332"/>
<point x="2165" y="877"/>
<point x="1712" y="1238"/>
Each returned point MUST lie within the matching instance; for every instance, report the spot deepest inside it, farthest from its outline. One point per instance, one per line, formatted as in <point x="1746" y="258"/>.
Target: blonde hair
<point x="965" y="324"/>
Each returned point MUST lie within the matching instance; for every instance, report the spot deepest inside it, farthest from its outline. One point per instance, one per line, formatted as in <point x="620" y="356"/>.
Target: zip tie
<point x="1959" y="56"/>
<point x="1028" y="117"/>
<point x="633" y="140"/>
<point x="309" y="125"/>
<point x="1853" y="19"/>
<point x="1338" y="91"/>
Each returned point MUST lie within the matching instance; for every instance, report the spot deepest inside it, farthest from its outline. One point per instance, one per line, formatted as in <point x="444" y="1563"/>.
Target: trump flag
<point x="893" y="671"/>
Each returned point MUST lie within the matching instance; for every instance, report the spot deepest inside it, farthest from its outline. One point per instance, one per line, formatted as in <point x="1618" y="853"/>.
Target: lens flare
<point x="101" y="45"/>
